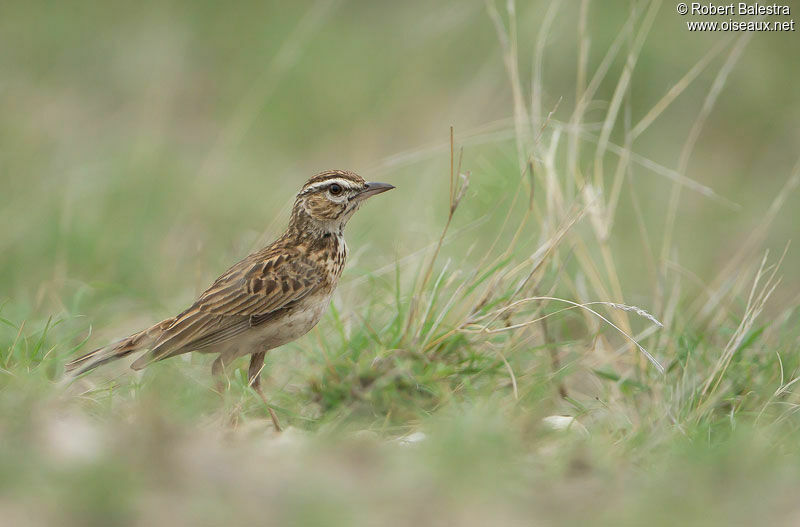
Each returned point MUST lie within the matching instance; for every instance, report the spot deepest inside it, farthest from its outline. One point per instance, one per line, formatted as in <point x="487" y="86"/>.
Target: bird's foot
<point x="272" y="413"/>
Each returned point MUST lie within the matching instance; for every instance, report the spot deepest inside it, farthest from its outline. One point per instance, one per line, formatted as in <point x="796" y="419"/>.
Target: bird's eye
<point x="335" y="189"/>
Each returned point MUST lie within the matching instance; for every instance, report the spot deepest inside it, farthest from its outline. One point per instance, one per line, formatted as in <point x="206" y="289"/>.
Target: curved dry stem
<point x="585" y="306"/>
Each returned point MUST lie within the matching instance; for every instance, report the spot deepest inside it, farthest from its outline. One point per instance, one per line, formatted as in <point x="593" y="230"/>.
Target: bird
<point x="268" y="299"/>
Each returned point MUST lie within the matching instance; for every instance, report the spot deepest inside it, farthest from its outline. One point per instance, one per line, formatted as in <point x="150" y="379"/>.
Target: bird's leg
<point x="218" y="373"/>
<point x="254" y="379"/>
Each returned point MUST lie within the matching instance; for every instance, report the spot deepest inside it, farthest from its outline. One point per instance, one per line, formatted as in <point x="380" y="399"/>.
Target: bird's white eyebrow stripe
<point x="344" y="183"/>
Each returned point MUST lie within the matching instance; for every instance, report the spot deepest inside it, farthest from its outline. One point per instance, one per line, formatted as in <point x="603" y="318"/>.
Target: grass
<point x="546" y="270"/>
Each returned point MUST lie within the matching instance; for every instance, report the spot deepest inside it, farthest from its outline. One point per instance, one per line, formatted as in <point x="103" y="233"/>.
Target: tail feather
<point x="117" y="350"/>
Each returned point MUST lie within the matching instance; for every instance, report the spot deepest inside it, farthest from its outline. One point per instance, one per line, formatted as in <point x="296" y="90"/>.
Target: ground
<point x="580" y="307"/>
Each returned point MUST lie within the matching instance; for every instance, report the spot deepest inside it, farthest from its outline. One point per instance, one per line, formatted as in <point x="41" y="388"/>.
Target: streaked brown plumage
<point x="271" y="297"/>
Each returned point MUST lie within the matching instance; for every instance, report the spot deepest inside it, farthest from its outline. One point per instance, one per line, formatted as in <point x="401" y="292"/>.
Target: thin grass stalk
<point x="620" y="90"/>
<point x="486" y="330"/>
<point x="756" y="301"/>
<point x="668" y="173"/>
<point x="573" y="154"/>
<point x="753" y="240"/>
<point x="509" y="45"/>
<point x="689" y="144"/>
<point x="538" y="61"/>
<point x="678" y="88"/>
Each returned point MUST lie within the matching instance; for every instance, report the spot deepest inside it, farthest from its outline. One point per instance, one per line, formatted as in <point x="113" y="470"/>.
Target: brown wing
<point x="254" y="290"/>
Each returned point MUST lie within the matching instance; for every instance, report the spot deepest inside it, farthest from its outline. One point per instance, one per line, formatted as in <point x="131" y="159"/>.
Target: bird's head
<point x="328" y="200"/>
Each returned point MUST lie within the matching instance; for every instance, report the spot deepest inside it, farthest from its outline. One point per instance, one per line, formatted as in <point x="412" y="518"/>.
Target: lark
<point x="270" y="298"/>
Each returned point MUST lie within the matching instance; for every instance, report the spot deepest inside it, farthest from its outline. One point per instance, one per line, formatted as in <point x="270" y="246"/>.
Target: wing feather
<point x="246" y="295"/>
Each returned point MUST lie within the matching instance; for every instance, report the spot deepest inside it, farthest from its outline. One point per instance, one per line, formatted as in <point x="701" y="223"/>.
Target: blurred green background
<point x="145" y="147"/>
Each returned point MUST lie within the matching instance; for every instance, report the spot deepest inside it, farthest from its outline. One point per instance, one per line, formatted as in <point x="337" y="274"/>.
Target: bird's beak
<point x="372" y="188"/>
